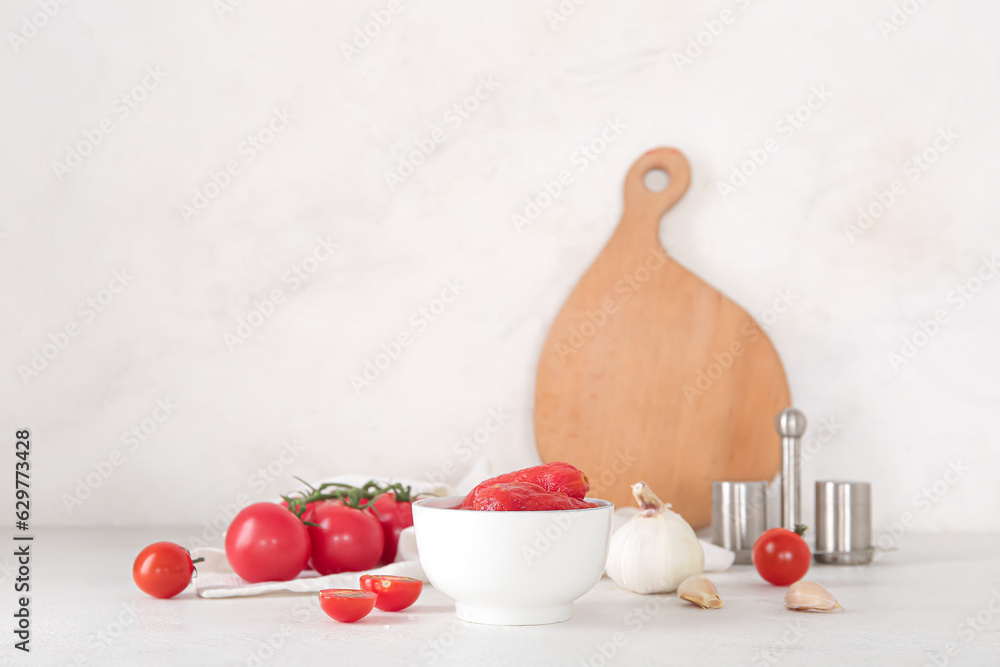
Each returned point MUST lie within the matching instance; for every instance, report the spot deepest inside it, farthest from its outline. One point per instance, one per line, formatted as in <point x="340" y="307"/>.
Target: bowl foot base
<point x="514" y="615"/>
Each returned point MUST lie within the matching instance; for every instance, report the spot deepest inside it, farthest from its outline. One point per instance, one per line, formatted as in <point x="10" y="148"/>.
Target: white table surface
<point x="87" y="611"/>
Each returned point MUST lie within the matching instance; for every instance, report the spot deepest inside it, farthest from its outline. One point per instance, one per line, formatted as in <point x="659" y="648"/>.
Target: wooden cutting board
<point x="649" y="374"/>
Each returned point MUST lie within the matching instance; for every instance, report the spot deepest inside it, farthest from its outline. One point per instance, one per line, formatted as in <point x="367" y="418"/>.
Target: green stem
<point x="352" y="496"/>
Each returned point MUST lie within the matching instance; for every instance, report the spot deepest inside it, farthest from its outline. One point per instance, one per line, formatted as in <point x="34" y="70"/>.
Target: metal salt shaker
<point x="843" y="523"/>
<point x="739" y="517"/>
<point x="791" y="424"/>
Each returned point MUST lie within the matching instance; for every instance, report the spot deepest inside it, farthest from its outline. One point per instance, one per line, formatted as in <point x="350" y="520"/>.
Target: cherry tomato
<point x="781" y="556"/>
<point x="266" y="542"/>
<point x="393" y="516"/>
<point x="344" y="539"/>
<point x="346" y="605"/>
<point x="163" y="569"/>
<point x="394" y="593"/>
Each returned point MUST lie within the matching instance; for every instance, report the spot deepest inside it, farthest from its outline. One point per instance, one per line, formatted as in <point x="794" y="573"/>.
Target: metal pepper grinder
<point x="791" y="424"/>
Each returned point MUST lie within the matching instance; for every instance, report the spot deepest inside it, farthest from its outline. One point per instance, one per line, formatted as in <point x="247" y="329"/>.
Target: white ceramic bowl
<point x="512" y="568"/>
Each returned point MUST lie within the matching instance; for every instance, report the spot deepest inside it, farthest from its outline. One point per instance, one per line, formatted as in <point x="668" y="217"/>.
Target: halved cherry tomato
<point x="394" y="593"/>
<point x="162" y="569"/>
<point x="346" y="605"/>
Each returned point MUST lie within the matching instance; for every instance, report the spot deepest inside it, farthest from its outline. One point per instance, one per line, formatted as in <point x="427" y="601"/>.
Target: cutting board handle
<point x="643" y="207"/>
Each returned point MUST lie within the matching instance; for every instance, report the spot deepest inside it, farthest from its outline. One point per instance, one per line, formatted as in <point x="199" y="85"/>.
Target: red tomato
<point x="522" y="497"/>
<point x="393" y="516"/>
<point x="266" y="542"/>
<point x="781" y="556"/>
<point x="163" y="569"/>
<point x="345" y="605"/>
<point x="344" y="539"/>
<point x="394" y="593"/>
<point x="555" y="477"/>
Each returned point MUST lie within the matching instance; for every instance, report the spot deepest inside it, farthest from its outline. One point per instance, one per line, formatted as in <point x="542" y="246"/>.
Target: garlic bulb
<point x="810" y="596"/>
<point x="656" y="550"/>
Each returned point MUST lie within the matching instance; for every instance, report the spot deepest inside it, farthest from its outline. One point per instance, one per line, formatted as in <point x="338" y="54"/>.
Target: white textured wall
<point x="312" y="196"/>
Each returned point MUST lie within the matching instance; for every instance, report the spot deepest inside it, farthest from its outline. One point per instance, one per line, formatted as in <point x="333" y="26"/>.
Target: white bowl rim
<point x="424" y="503"/>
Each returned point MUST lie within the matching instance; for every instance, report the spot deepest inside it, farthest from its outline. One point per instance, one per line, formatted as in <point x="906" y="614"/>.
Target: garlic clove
<point x="701" y="591"/>
<point x="810" y="596"/>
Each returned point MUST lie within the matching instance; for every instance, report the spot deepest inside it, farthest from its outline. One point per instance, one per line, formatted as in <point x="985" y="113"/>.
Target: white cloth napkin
<point x="216" y="579"/>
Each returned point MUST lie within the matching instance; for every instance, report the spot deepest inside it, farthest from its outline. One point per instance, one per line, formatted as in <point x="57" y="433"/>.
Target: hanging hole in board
<point x="656" y="180"/>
